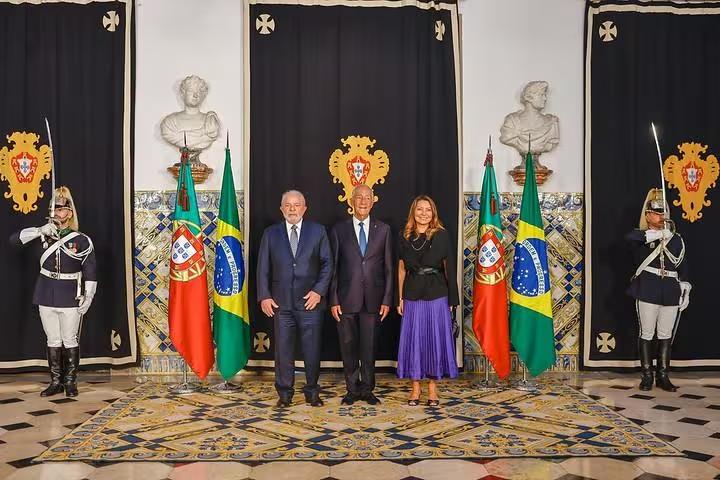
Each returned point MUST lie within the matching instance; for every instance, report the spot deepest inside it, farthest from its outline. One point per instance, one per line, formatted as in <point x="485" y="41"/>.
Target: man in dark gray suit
<point x="360" y="292"/>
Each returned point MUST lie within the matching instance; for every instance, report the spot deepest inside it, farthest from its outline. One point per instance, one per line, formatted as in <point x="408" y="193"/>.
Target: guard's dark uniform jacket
<point x="650" y="287"/>
<point x="55" y="292"/>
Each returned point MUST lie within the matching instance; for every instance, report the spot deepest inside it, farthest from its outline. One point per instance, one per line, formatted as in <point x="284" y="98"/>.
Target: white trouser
<point x="61" y="326"/>
<point x="656" y="316"/>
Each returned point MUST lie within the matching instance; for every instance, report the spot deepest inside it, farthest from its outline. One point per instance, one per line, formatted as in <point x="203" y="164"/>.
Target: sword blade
<point x="52" y="169"/>
<point x="662" y="173"/>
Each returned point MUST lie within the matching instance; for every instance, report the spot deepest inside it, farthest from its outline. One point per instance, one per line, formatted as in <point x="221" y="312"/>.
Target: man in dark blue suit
<point x="293" y="274"/>
<point x="361" y="292"/>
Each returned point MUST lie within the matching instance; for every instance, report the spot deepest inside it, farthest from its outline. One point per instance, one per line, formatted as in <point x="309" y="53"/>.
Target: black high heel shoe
<point x="413" y="402"/>
<point x="433" y="403"/>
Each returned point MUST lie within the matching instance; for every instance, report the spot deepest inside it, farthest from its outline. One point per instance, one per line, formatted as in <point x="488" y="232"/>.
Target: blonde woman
<point x="428" y="293"/>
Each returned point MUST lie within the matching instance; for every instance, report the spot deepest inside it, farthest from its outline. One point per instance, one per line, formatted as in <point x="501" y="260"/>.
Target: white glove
<point x="667" y="234"/>
<point x="85" y="304"/>
<point x="49" y="230"/>
<point x="685" y="288"/>
<point x="90" y="289"/>
<point x="653" y="235"/>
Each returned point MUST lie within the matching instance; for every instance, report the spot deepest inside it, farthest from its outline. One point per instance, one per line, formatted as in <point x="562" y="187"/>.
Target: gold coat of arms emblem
<point x="23" y="167"/>
<point x="358" y="166"/>
<point x="692" y="177"/>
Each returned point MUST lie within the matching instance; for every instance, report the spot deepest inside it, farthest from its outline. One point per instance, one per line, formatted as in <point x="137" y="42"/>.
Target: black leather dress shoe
<point x="315" y="402"/>
<point x="370" y="398"/>
<point x="283" y="403"/>
<point x="348" y="399"/>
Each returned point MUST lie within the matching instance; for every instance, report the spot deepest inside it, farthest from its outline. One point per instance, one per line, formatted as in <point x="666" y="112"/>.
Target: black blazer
<point x="649" y="287"/>
<point x="58" y="293"/>
<point x="359" y="280"/>
<point x="286" y="279"/>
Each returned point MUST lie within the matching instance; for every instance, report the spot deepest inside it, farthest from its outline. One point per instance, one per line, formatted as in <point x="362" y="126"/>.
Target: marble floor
<point x="689" y="419"/>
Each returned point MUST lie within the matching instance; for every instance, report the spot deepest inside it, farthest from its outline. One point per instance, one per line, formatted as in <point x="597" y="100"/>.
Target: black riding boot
<point x="72" y="361"/>
<point x="646" y="379"/>
<point x="55" y="357"/>
<point x="663" y="366"/>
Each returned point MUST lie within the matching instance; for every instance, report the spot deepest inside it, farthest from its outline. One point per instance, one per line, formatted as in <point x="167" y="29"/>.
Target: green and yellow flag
<point x="531" y="319"/>
<point x="231" y="324"/>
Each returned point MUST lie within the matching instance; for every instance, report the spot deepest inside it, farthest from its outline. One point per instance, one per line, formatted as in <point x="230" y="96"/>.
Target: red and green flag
<point x="490" y="307"/>
<point x="531" y="317"/>
<point x="231" y="322"/>
<point x="188" y="303"/>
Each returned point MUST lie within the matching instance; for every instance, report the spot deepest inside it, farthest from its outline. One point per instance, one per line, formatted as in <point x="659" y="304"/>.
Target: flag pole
<point x="185" y="387"/>
<point x="525" y="384"/>
<point x="225" y="386"/>
<point x="486" y="383"/>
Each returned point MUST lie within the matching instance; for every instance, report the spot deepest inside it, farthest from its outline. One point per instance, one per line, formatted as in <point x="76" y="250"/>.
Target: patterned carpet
<point x="153" y="425"/>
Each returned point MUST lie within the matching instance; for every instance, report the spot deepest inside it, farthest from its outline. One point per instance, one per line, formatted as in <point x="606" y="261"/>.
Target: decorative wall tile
<point x="563" y="216"/>
<point x="153" y="231"/>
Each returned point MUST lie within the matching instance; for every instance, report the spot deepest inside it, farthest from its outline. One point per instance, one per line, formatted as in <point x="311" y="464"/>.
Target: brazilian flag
<point x="531" y="321"/>
<point x="231" y="324"/>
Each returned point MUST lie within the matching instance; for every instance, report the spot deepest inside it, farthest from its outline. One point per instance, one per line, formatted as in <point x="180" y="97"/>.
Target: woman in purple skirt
<point x="428" y="293"/>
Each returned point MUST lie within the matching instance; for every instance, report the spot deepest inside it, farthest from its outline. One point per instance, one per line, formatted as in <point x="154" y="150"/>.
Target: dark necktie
<point x="293" y="239"/>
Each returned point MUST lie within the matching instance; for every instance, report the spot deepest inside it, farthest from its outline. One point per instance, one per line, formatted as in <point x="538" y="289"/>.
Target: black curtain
<point x="71" y="63"/>
<point x="647" y="63"/>
<point x="322" y="73"/>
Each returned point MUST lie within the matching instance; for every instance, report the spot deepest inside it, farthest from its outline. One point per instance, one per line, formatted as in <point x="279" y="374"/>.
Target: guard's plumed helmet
<point x="653" y="203"/>
<point x="63" y="199"/>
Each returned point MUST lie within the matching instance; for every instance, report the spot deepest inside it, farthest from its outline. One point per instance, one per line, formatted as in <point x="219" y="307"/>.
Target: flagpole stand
<point x="185" y="387"/>
<point x="486" y="383"/>
<point x="226" y="387"/>
<point x="526" y="385"/>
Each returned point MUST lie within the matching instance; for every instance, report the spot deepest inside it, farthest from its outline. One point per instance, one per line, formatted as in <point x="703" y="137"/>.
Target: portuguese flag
<point x="531" y="318"/>
<point x="231" y="323"/>
<point x="490" y="308"/>
<point x="188" y="303"/>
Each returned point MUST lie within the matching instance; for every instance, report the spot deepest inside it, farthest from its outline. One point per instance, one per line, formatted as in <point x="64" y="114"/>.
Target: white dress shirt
<point x="288" y="227"/>
<point x="366" y="227"/>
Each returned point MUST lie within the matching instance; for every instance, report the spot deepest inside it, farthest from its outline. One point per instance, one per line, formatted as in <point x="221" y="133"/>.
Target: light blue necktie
<point x="363" y="240"/>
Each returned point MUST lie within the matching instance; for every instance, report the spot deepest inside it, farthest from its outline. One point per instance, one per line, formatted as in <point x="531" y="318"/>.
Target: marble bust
<point x="543" y="129"/>
<point x="199" y="129"/>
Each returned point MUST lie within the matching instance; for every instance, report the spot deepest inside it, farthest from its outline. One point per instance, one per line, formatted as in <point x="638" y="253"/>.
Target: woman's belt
<point x="425" y="271"/>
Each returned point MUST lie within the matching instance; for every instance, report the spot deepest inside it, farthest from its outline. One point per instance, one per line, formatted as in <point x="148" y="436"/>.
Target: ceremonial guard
<point x="64" y="289"/>
<point x="660" y="286"/>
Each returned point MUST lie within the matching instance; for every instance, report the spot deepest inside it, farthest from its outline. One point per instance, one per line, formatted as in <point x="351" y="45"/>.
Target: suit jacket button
<point x="294" y="264"/>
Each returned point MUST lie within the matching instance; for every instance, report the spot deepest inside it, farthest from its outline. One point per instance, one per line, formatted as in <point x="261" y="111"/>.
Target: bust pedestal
<point x="542" y="173"/>
<point x="199" y="171"/>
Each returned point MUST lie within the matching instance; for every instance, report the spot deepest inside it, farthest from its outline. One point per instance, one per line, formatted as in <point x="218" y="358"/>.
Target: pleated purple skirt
<point x="427" y="346"/>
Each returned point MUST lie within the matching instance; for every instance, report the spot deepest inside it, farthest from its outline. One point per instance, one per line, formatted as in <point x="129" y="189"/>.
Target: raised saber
<point x="52" y="170"/>
<point x="666" y="214"/>
<point x="667" y="220"/>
